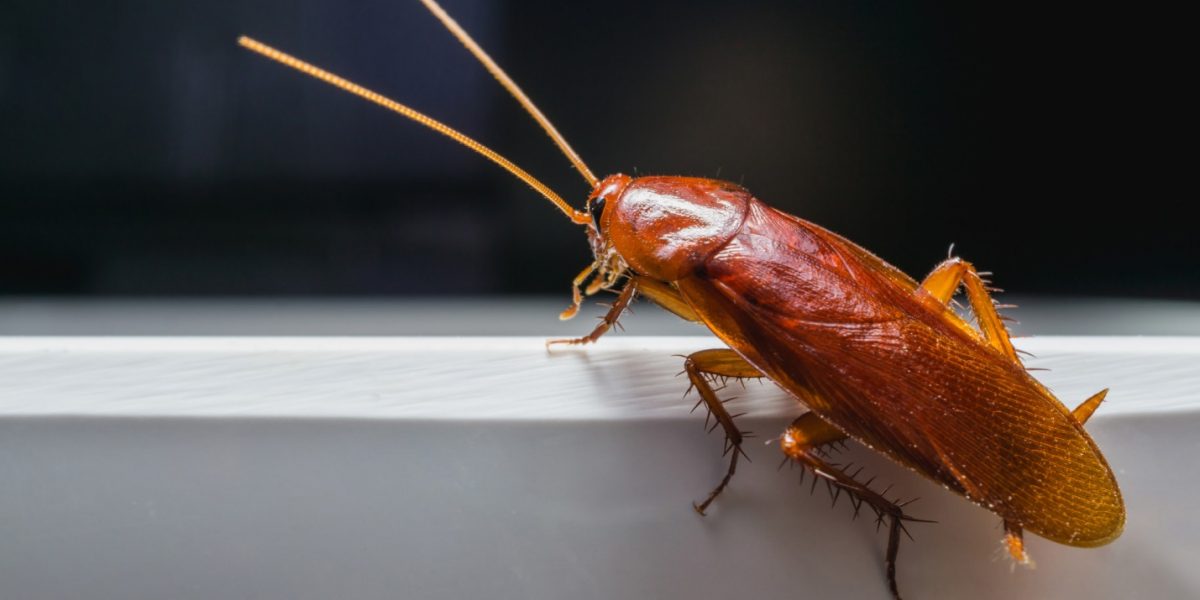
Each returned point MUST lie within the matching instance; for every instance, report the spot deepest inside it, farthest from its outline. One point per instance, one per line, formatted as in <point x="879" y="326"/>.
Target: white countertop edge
<point x="485" y="378"/>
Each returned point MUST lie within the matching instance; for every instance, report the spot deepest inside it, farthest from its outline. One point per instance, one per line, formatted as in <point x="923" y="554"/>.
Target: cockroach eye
<point x="596" y="209"/>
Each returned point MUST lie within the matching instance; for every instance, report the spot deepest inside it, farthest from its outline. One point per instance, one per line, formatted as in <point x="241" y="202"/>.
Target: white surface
<point x="477" y="467"/>
<point x="484" y="378"/>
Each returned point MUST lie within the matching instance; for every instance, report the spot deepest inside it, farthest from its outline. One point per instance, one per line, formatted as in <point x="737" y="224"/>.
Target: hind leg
<point x="800" y="443"/>
<point x="940" y="286"/>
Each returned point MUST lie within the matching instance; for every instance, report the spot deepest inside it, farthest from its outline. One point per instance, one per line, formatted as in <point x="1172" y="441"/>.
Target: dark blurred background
<point x="144" y="154"/>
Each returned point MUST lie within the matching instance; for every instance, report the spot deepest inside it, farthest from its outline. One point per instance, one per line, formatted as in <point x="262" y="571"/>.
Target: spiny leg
<point x="944" y="281"/>
<point x="722" y="363"/>
<point x="800" y="442"/>
<point x="813" y="432"/>
<point x="609" y="319"/>
<point x="661" y="293"/>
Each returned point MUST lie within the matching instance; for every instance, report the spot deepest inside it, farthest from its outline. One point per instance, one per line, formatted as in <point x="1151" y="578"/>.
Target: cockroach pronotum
<point x="875" y="356"/>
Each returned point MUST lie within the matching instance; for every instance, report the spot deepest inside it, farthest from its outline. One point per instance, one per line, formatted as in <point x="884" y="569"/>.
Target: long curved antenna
<point x="512" y="88"/>
<point x="579" y="217"/>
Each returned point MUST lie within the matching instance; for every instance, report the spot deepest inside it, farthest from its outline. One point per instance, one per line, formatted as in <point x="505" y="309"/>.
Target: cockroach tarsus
<point x="875" y="356"/>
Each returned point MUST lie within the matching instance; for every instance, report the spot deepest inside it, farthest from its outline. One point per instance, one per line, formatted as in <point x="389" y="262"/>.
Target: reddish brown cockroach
<point x="875" y="356"/>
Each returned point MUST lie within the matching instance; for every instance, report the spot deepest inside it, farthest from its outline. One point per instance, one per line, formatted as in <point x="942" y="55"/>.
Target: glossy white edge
<point x="481" y="378"/>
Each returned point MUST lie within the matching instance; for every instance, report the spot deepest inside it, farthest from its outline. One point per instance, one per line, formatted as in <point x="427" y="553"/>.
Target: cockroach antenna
<point x="577" y="216"/>
<point x="466" y="40"/>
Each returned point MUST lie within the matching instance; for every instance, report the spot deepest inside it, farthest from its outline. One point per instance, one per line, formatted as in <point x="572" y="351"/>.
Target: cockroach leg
<point x="1014" y="542"/>
<point x="800" y="441"/>
<point x="813" y="432"/>
<point x="577" y="292"/>
<point x="944" y="281"/>
<point x="720" y="362"/>
<point x="611" y="272"/>
<point x="664" y="295"/>
<point x="609" y="319"/>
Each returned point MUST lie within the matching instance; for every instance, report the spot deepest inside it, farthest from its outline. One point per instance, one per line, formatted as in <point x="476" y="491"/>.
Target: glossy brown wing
<point x="843" y="331"/>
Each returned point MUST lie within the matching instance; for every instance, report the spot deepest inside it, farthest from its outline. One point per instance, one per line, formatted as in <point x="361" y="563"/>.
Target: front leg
<point x="609" y="319"/>
<point x="661" y="293"/>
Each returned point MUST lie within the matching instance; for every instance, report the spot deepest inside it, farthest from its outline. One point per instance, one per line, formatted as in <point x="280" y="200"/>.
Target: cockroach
<point x="875" y="356"/>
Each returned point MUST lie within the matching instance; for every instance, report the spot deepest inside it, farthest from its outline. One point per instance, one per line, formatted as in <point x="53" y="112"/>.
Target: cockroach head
<point x="608" y="267"/>
<point x="604" y="194"/>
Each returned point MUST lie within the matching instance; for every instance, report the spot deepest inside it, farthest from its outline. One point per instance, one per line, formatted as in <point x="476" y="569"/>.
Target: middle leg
<point x="721" y="363"/>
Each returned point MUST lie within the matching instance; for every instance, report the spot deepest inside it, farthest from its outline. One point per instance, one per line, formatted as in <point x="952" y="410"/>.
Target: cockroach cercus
<point x="874" y="355"/>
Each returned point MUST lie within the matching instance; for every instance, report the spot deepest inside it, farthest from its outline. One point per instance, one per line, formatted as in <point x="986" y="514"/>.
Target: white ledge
<point x="483" y="378"/>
